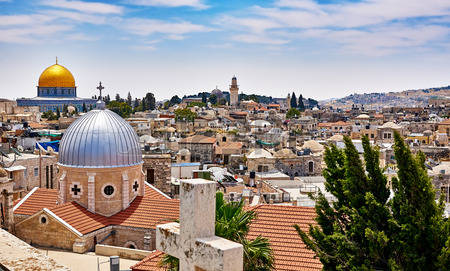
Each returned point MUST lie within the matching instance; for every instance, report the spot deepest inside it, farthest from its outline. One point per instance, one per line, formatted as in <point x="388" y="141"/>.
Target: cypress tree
<point x="301" y="105"/>
<point x="421" y="231"/>
<point x="293" y="100"/>
<point x="363" y="229"/>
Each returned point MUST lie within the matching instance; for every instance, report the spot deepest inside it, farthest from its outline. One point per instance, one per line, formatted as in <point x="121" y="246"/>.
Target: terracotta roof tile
<point x="144" y="212"/>
<point x="36" y="200"/>
<point x="150" y="262"/>
<point x="275" y="223"/>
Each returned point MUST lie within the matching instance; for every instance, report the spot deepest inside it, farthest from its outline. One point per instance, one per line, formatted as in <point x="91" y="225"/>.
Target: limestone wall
<point x="49" y="234"/>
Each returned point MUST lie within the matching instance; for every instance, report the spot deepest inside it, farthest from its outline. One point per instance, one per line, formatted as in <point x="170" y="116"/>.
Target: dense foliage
<point x="293" y="113"/>
<point x="185" y="114"/>
<point x="121" y="108"/>
<point x="363" y="229"/>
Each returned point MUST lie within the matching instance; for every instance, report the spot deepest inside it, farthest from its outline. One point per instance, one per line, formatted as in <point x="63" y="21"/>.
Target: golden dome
<point x="56" y="76"/>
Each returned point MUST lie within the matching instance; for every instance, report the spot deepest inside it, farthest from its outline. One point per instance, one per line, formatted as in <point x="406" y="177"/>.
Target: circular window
<point x="108" y="190"/>
<point x="43" y="220"/>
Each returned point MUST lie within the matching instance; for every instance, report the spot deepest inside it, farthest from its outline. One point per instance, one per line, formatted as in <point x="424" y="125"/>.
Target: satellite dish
<point x="20" y="148"/>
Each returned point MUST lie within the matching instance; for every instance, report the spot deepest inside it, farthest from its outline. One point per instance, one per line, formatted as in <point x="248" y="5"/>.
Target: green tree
<point x="421" y="232"/>
<point x="362" y="229"/>
<point x="233" y="223"/>
<point x="120" y="108"/>
<point x="293" y="100"/>
<point x="213" y="99"/>
<point x="49" y="115"/>
<point x="129" y="99"/>
<point x="174" y="100"/>
<point x="184" y="114"/>
<point x="118" y="99"/>
<point x="293" y="113"/>
<point x="204" y="98"/>
<point x="301" y="105"/>
<point x="150" y="101"/>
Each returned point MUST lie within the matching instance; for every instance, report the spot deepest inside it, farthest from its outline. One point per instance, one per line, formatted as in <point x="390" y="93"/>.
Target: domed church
<point x="55" y="89"/>
<point x="102" y="196"/>
<point x="100" y="163"/>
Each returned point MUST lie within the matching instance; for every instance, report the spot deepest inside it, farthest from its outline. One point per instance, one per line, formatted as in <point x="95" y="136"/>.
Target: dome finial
<point x="57" y="60"/>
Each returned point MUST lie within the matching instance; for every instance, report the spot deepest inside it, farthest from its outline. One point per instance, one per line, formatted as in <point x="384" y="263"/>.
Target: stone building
<point x="32" y="170"/>
<point x="298" y="165"/>
<point x="157" y="170"/>
<point x="102" y="196"/>
<point x="201" y="147"/>
<point x="234" y="92"/>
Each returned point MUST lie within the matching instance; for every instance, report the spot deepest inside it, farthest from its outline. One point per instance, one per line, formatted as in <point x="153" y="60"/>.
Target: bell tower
<point x="234" y="92"/>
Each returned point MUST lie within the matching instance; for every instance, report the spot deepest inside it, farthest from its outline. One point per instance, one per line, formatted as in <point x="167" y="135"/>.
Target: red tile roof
<point x="273" y="222"/>
<point x="79" y="217"/>
<point x="144" y="212"/>
<point x="36" y="200"/>
<point x="150" y="262"/>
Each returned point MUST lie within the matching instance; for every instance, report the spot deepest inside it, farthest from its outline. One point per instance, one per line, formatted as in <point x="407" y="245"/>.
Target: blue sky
<point x="321" y="49"/>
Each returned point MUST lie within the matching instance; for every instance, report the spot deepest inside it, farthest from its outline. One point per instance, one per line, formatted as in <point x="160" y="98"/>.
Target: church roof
<point x="144" y="212"/>
<point x="100" y="139"/>
<point x="36" y="200"/>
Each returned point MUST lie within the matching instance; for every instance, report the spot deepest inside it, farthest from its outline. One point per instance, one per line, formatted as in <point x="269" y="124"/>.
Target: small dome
<point x="313" y="145"/>
<point x="184" y="152"/>
<point x="56" y="76"/>
<point x="285" y="153"/>
<point x="100" y="139"/>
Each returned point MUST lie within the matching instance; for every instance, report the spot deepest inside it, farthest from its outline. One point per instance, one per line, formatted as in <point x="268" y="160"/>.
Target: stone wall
<point x="199" y="152"/>
<point x="161" y="166"/>
<point x="49" y="234"/>
<point x="300" y="166"/>
<point x="87" y="187"/>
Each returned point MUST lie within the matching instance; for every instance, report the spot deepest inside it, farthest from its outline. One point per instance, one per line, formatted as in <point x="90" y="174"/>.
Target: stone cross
<point x="192" y="240"/>
<point x="100" y="88"/>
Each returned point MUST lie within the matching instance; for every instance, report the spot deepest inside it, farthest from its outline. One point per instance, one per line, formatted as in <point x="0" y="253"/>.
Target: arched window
<point x="311" y="166"/>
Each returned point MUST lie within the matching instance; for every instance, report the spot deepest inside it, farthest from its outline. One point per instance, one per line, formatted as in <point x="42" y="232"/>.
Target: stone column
<point x="62" y="196"/>
<point x="125" y="191"/>
<point x="9" y="215"/>
<point x="91" y="192"/>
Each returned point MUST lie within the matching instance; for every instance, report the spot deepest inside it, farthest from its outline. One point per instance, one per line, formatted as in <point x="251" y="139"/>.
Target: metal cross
<point x="100" y="88"/>
<point x="76" y="190"/>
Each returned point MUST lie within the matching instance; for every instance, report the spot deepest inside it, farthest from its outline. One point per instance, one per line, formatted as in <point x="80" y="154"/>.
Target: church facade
<point x="56" y="88"/>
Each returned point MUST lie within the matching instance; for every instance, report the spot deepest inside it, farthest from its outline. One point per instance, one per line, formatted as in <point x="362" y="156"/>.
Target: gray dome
<point x="100" y="139"/>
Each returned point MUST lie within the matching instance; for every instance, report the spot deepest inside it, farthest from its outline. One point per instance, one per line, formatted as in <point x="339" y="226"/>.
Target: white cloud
<point x="31" y="33"/>
<point x="198" y="4"/>
<point x="146" y="27"/>
<point x="87" y="7"/>
<point x="369" y="26"/>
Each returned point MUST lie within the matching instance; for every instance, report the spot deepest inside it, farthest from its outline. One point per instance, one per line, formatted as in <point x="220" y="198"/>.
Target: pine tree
<point x="84" y="108"/>
<point x="363" y="229"/>
<point x="129" y="99"/>
<point x="421" y="231"/>
<point x="351" y="233"/>
<point x="301" y="105"/>
<point x="118" y="99"/>
<point x="293" y="100"/>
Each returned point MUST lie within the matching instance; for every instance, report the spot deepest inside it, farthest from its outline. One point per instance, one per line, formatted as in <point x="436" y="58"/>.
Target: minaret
<point x="288" y="101"/>
<point x="234" y="92"/>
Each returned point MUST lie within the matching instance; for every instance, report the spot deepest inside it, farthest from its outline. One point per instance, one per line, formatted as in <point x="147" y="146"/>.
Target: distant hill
<point x="406" y="98"/>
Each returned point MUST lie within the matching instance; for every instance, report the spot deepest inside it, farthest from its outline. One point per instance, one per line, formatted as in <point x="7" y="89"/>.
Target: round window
<point x="43" y="220"/>
<point x="108" y="190"/>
